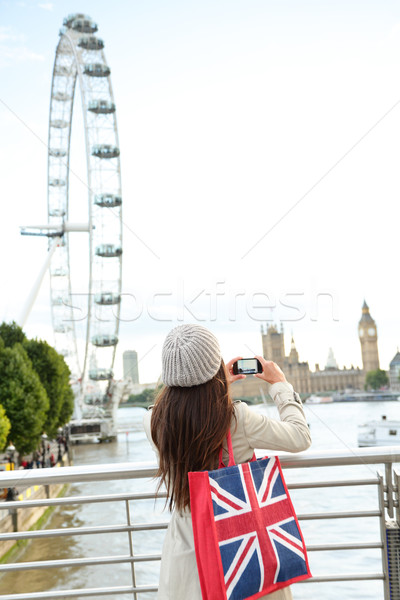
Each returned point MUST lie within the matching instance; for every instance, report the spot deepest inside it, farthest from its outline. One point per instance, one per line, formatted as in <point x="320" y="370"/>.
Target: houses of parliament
<point x="299" y="374"/>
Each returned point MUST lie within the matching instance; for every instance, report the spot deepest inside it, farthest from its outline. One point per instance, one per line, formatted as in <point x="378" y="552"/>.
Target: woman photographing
<point x="188" y="426"/>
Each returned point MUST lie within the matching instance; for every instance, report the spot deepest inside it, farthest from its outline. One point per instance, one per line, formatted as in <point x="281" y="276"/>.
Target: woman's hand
<point x="229" y="371"/>
<point x="271" y="372"/>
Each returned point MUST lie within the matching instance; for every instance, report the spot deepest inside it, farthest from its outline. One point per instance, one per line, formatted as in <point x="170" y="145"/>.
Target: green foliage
<point x="5" y="427"/>
<point x="67" y="407"/>
<point x="23" y="398"/>
<point x="54" y="375"/>
<point x="144" y="398"/>
<point x="11" y="334"/>
<point x="376" y="379"/>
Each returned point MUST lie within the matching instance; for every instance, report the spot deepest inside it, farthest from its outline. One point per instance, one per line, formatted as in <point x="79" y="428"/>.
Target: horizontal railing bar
<point x="78" y="474"/>
<point x="339" y="515"/>
<point x="70" y="500"/>
<point x="108" y="472"/>
<point x="109" y="560"/>
<point x="351" y="546"/>
<point x="67" y="500"/>
<point x="81" y="531"/>
<point x="326" y="484"/>
<point x="79" y="562"/>
<point x="162" y="525"/>
<point x="149" y="526"/>
<point x="149" y="588"/>
<point x="339" y="577"/>
<point x="349" y="456"/>
<point x="81" y="593"/>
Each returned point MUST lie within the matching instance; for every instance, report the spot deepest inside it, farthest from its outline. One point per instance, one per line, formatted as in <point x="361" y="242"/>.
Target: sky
<point x="260" y="152"/>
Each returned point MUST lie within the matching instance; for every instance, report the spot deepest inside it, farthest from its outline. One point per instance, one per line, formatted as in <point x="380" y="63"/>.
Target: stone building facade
<point x="305" y="381"/>
<point x="394" y="372"/>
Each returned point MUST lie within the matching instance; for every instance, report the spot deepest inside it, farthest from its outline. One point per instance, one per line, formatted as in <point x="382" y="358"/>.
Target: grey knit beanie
<point x="190" y="356"/>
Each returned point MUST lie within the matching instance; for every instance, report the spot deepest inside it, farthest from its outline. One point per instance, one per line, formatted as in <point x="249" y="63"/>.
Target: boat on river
<point x="385" y="432"/>
<point x="91" y="430"/>
<point x="97" y="422"/>
<point x="314" y="399"/>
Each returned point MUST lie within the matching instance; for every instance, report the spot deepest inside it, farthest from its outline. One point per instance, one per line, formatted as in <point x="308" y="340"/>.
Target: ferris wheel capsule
<point x="91" y="43"/>
<point x="103" y="107"/>
<point x="80" y="23"/>
<point x="96" y="70"/>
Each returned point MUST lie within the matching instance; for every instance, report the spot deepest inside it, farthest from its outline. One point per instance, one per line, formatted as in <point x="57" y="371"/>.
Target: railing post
<point x="128" y="521"/>
<point x="389" y="488"/>
<point x="393" y="544"/>
<point x="382" y="528"/>
<point x="14" y="518"/>
<point x="393" y="549"/>
<point x="397" y="495"/>
<point x="390" y="534"/>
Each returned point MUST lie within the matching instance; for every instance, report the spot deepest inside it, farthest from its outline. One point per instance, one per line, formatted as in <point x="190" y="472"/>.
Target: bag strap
<point x="231" y="463"/>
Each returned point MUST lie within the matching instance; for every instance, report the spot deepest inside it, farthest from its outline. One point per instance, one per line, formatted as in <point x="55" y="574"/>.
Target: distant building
<point x="394" y="372"/>
<point x="369" y="340"/>
<point x="273" y="344"/>
<point x="331" y="379"/>
<point x="130" y="364"/>
<point x="331" y="363"/>
<point x="305" y="381"/>
<point x="296" y="371"/>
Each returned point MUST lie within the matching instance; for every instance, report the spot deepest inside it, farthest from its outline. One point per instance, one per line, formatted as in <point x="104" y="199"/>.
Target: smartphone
<point x="247" y="366"/>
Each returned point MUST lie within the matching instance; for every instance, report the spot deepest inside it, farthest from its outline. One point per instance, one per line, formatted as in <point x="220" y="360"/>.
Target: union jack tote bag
<point x="247" y="538"/>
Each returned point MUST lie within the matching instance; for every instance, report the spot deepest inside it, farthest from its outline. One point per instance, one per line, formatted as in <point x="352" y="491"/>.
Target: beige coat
<point x="178" y="576"/>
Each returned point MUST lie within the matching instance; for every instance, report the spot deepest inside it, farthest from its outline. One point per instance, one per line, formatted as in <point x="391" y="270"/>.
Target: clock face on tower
<point x="361" y="331"/>
<point x="371" y="331"/>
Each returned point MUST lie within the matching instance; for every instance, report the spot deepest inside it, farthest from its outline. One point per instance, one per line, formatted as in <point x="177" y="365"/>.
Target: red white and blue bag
<point x="247" y="538"/>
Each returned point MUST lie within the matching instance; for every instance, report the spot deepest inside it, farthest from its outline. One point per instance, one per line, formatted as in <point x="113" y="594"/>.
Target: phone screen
<point x="247" y="366"/>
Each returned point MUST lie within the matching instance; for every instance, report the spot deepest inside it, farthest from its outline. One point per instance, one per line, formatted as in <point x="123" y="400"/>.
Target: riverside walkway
<point x="55" y="452"/>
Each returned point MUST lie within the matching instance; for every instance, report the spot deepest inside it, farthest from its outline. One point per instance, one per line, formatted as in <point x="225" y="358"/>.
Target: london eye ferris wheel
<point x="80" y="58"/>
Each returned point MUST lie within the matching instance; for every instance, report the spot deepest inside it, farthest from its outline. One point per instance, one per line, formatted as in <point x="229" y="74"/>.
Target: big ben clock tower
<point x="368" y="340"/>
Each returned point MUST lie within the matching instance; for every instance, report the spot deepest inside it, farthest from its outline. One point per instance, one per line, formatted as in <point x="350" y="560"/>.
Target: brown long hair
<point x="188" y="426"/>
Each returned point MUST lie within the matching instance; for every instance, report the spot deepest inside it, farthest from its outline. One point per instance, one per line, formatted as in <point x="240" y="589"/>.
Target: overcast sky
<point x="260" y="153"/>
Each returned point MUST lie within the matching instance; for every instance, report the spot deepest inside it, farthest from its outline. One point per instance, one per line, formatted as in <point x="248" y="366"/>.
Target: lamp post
<point x="44" y="441"/>
<point x="59" y="441"/>
<point x="10" y="453"/>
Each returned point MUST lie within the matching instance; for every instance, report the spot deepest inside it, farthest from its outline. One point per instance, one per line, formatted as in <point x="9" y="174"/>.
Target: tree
<point x="376" y="379"/>
<point x="51" y="370"/>
<point x="5" y="427"/>
<point x="11" y="333"/>
<point x="54" y="375"/>
<point x="23" y="398"/>
<point x="67" y="408"/>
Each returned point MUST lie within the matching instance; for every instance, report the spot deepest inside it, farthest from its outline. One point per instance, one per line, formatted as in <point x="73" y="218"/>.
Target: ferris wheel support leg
<point x="36" y="287"/>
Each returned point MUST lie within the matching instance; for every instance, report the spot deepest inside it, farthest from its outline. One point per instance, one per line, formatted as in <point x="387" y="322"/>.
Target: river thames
<point x="333" y="426"/>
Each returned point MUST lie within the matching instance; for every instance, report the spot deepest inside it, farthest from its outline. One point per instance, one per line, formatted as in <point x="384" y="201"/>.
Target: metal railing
<point x="386" y="513"/>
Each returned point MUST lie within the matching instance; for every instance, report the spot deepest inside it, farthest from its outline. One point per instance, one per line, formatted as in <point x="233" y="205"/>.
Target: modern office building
<point x="130" y="364"/>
